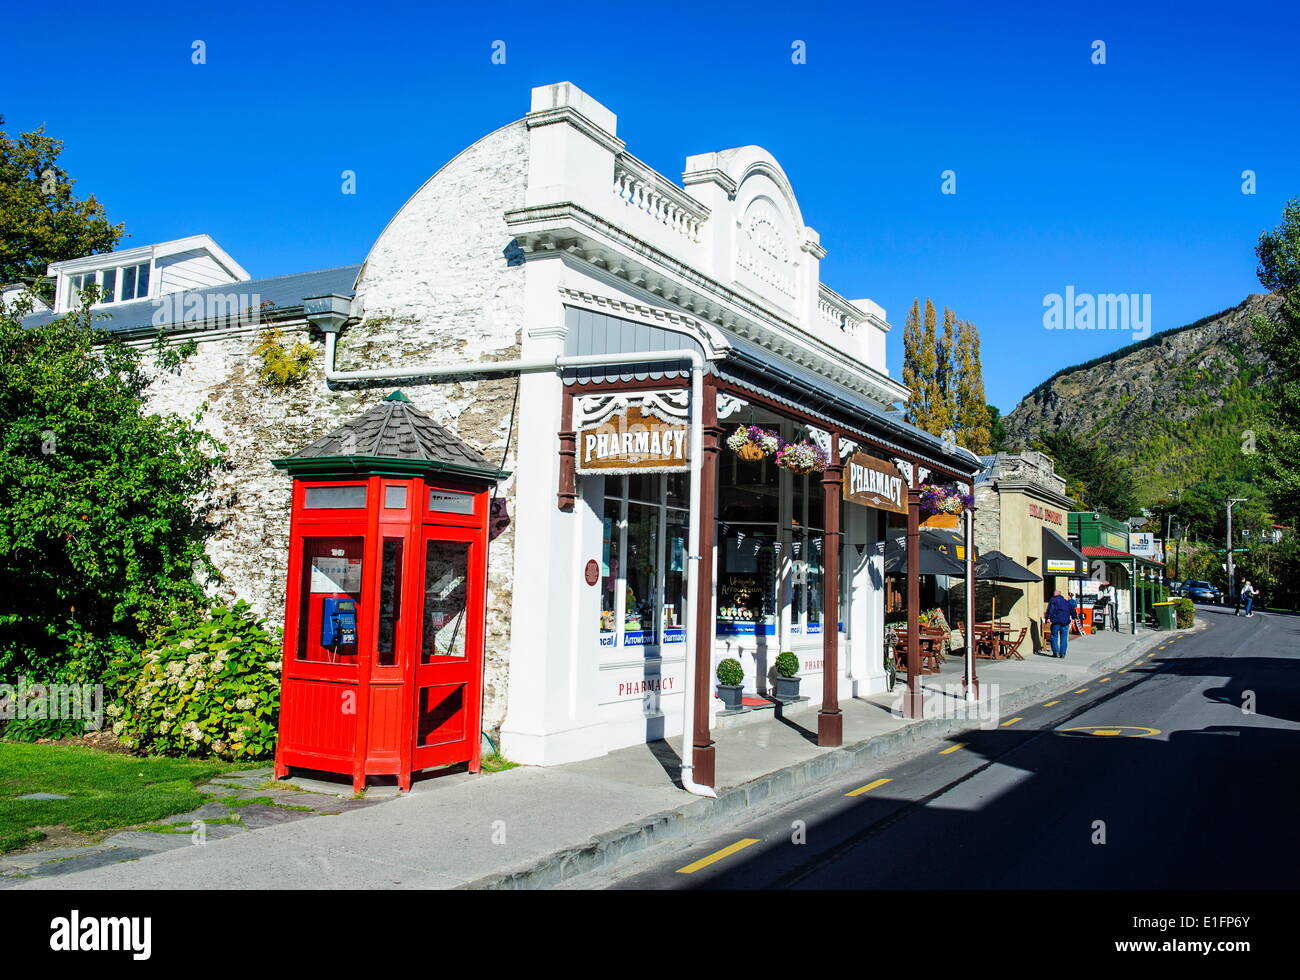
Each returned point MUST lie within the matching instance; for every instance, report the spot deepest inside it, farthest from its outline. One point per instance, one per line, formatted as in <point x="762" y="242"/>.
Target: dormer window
<point x="116" y="285"/>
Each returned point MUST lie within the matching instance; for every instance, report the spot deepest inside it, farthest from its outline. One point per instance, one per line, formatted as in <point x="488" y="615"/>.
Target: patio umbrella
<point x="994" y="566"/>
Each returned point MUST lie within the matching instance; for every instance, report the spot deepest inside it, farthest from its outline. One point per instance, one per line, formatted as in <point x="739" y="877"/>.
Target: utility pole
<point x="1232" y="591"/>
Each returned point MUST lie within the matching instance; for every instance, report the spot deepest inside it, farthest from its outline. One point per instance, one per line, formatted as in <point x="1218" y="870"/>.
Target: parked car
<point x="1199" y="591"/>
<point x="1174" y="586"/>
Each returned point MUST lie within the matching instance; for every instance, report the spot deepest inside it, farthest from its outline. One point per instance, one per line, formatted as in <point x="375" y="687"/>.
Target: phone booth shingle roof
<point x="392" y="436"/>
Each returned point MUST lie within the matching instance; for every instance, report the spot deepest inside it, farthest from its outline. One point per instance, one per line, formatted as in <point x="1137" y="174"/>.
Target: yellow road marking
<point x="867" y="788"/>
<point x="1050" y="703"/>
<point x="1124" y="671"/>
<point x="1103" y="680"/>
<point x="1123" y="730"/>
<point x="1080" y="690"/>
<point x="953" y="748"/>
<point x="1011" y="722"/>
<point x="727" y="851"/>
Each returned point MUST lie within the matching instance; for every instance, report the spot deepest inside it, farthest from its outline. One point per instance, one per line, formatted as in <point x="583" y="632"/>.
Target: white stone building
<point x="547" y="238"/>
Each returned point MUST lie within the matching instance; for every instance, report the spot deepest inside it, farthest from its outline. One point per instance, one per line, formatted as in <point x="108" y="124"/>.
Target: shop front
<point x="1022" y="512"/>
<point x="1136" y="582"/>
<point x="609" y="331"/>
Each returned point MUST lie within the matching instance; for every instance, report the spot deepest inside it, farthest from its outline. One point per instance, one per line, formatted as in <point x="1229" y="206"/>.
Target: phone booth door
<point x="449" y="648"/>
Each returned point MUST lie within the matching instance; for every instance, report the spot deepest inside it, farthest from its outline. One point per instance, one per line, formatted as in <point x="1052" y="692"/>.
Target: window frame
<point x="613" y="643"/>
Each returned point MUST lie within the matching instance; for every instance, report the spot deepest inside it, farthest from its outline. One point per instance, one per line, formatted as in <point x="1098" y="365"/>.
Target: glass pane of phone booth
<point x="390" y="600"/>
<point x="330" y="597"/>
<point x="446" y="575"/>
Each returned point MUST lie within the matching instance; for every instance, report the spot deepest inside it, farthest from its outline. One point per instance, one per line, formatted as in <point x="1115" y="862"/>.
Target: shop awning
<point x="934" y="560"/>
<point x="1062" y="558"/>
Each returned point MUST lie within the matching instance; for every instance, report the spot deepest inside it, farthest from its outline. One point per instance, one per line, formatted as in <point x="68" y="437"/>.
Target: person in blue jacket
<point x="1058" y="614"/>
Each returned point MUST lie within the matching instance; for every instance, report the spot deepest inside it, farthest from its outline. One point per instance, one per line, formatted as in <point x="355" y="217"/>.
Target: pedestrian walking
<point x="1076" y="618"/>
<point x="1059" y="612"/>
<point x="1249" y="592"/>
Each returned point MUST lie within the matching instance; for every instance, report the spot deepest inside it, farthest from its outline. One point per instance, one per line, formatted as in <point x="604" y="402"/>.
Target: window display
<point x="643" y="563"/>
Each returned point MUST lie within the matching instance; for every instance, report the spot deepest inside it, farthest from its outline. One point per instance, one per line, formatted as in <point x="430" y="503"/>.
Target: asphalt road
<point x="1153" y="778"/>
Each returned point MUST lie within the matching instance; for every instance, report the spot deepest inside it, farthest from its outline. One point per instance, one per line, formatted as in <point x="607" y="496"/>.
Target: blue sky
<point x="1122" y="177"/>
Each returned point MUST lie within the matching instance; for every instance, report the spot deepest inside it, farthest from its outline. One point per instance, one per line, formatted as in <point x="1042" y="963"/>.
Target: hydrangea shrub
<point x="207" y="686"/>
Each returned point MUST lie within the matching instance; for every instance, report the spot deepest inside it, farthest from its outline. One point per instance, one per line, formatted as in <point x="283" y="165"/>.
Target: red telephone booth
<point x="384" y="612"/>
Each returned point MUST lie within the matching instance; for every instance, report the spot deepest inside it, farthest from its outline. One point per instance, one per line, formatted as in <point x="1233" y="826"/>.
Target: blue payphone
<point x="338" y="622"/>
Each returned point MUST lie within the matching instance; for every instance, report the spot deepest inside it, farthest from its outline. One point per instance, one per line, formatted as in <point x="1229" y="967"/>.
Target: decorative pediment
<point x="671" y="405"/>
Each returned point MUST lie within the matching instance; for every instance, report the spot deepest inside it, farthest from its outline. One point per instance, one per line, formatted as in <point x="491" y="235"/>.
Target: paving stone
<point x="208" y="811"/>
<point x="92" y="859"/>
<point x="31" y="859"/>
<point x="258" y="815"/>
<point x="148" y="840"/>
<point x="41" y="796"/>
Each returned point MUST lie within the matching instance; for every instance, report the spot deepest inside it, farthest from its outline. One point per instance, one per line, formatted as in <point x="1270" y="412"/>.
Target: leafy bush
<point x="282" y="366"/>
<point x="731" y="673"/>
<point x="787" y="664"/>
<point x="1185" y="613"/>
<point x="209" y="685"/>
<point x="103" y="504"/>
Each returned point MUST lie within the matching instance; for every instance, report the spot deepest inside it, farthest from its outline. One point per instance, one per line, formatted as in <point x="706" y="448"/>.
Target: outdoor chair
<point x="1013" y="646"/>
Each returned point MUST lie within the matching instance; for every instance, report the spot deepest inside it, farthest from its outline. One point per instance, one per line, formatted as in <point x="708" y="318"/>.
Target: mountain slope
<point x="1179" y="406"/>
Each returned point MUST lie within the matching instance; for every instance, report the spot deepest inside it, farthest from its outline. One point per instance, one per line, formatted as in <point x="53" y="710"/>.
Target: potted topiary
<point x="731" y="680"/>
<point x="787" y="677"/>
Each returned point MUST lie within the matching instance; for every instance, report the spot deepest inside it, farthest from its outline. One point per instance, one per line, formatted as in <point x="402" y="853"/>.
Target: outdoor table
<point x="930" y="648"/>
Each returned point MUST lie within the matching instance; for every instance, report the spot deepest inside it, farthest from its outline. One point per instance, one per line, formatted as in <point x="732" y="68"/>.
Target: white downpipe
<point x="696" y="443"/>
<point x="970" y="608"/>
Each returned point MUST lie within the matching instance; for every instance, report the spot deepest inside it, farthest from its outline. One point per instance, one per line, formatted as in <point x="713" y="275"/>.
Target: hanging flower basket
<point x="945" y="499"/>
<point x="802" y="457"/>
<point x="753" y="443"/>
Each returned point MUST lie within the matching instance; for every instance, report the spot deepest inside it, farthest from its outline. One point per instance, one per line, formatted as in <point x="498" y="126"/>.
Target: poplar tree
<point x="911" y="357"/>
<point x="973" y="419"/>
<point x="927" y="369"/>
<point x="945" y="375"/>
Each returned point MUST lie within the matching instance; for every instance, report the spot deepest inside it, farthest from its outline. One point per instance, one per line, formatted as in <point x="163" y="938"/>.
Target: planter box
<point x="731" y="695"/>
<point x="787" y="688"/>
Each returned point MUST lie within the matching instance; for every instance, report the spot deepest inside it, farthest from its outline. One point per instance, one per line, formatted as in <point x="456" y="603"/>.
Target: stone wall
<point x="436" y="288"/>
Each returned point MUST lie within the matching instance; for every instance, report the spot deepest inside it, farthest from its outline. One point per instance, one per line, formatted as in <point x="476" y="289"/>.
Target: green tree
<point x="997" y="430"/>
<point x="912" y="376"/>
<point x="40" y="219"/>
<point x="947" y="374"/>
<point x="101" y="516"/>
<point x="1278" y="252"/>
<point x="1095" y="477"/>
<point x="974" y="423"/>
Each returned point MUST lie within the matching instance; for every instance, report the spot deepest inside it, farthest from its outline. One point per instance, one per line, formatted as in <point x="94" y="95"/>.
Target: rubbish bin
<point x="1166" y="615"/>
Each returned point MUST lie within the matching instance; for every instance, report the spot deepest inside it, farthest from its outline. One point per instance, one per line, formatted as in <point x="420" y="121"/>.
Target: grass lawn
<point x="105" y="790"/>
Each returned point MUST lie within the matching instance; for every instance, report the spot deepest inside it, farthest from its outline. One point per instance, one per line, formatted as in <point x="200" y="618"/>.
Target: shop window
<point x="643" y="564"/>
<point x="394" y="496"/>
<point x="746" y="599"/>
<point x="749" y="511"/>
<point x="807" y="569"/>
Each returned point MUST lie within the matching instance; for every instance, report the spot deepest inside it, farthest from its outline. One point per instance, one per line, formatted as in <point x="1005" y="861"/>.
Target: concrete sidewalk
<point x="532" y="827"/>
